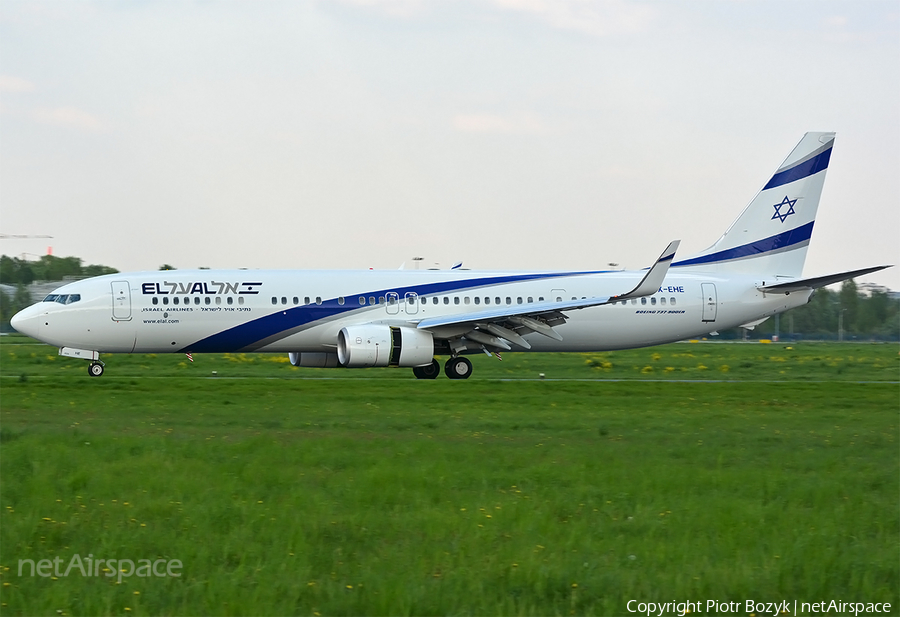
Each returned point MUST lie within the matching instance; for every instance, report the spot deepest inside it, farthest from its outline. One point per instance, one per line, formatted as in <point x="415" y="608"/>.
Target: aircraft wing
<point x="819" y="281"/>
<point x="495" y="327"/>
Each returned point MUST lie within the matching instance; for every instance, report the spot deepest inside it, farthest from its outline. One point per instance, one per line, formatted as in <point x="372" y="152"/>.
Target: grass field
<point x="725" y="472"/>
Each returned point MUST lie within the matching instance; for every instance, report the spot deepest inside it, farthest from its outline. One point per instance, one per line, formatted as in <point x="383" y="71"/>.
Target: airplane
<point x="365" y="318"/>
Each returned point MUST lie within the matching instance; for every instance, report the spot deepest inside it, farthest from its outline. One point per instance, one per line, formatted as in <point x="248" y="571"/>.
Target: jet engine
<point x="379" y="345"/>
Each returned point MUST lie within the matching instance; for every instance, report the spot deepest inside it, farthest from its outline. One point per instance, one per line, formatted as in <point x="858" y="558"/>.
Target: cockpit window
<point x="63" y="298"/>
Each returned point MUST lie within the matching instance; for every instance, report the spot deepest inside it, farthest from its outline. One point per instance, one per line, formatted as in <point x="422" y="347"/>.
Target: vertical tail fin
<point x="772" y="233"/>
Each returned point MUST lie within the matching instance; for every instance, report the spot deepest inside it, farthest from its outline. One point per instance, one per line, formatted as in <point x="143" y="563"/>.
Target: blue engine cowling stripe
<point x="758" y="248"/>
<point x="802" y="170"/>
<point x="248" y="333"/>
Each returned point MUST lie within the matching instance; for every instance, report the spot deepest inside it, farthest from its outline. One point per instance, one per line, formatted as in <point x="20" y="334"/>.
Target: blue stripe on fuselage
<point x="246" y="334"/>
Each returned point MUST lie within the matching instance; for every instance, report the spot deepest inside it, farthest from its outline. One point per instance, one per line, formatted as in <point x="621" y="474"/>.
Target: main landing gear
<point x="454" y="368"/>
<point x="95" y="369"/>
<point x="458" y="368"/>
<point x="429" y="371"/>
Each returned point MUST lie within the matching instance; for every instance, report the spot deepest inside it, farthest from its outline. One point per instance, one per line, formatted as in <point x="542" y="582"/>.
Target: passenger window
<point x="487" y="300"/>
<point x="558" y="299"/>
<point x="434" y="300"/>
<point x="371" y="299"/>
<point x="230" y="300"/>
<point x="306" y="300"/>
<point x="295" y="299"/>
<point x="175" y="300"/>
<point x="240" y="300"/>
<point x="477" y="300"/>
<point x="455" y="299"/>
<point x="541" y="299"/>
<point x="643" y="300"/>
<point x="341" y="300"/>
<point x="274" y="300"/>
<point x="653" y="301"/>
<point x="165" y="299"/>
<point x="672" y="301"/>
<point x="466" y="300"/>
<point x="662" y="301"/>
<point x="219" y="300"/>
<point x="207" y="300"/>
<point x="530" y="299"/>
<point x="518" y="300"/>
<point x="380" y="299"/>
<point x="197" y="300"/>
<point x="155" y="300"/>
<point x="508" y="300"/>
<point x="319" y="300"/>
<point x="362" y="300"/>
<point x="496" y="300"/>
<point x="446" y="300"/>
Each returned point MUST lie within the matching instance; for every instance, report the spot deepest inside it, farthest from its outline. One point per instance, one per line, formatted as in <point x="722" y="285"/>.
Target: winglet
<point x="649" y="285"/>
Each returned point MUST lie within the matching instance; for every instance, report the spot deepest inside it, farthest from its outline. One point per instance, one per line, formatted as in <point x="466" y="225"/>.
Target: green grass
<point x="496" y="495"/>
<point x="697" y="360"/>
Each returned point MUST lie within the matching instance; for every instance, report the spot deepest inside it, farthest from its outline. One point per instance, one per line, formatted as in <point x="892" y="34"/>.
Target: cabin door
<point x="709" y="301"/>
<point x="121" y="301"/>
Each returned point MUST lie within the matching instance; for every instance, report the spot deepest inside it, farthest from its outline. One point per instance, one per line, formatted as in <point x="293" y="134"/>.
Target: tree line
<point x="830" y="315"/>
<point x="827" y="315"/>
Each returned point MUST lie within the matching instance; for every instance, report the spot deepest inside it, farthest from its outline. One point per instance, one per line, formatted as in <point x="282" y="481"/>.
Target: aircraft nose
<point x="25" y="322"/>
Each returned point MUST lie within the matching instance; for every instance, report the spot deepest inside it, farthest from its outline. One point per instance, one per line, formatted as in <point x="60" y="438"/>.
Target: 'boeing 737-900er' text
<point x="365" y="318"/>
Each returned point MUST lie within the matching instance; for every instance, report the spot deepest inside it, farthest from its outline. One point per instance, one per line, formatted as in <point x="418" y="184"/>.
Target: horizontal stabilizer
<point x="753" y="324"/>
<point x="654" y="277"/>
<point x="819" y="281"/>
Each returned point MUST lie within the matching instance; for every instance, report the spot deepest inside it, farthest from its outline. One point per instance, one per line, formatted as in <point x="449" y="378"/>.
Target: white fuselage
<point x="303" y="311"/>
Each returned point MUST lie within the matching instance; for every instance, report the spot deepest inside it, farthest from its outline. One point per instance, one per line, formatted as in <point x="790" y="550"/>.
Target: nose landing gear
<point x="95" y="369"/>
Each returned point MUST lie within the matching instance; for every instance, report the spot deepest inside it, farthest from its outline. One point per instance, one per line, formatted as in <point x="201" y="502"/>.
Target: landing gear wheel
<point x="429" y="371"/>
<point x="95" y="369"/>
<point x="458" y="368"/>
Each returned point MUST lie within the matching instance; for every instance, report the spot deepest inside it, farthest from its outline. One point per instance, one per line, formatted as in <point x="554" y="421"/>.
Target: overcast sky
<point x="507" y="134"/>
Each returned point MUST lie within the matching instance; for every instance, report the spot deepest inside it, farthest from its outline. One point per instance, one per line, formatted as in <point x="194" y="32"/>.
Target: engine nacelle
<point x="379" y="345"/>
<point x="315" y="359"/>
